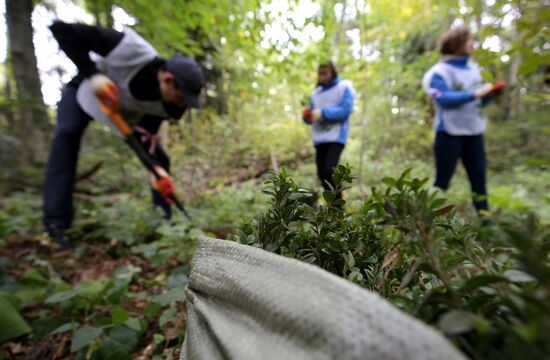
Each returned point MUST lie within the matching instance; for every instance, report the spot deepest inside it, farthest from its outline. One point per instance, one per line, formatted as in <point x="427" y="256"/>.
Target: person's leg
<point x="473" y="158"/>
<point x="321" y="153"/>
<point x="328" y="156"/>
<point x="158" y="200"/>
<point x="447" y="149"/>
<point x="62" y="163"/>
<point x="332" y="159"/>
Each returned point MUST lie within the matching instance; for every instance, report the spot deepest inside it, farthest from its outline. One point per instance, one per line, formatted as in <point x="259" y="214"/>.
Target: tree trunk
<point x="32" y="116"/>
<point x="511" y="106"/>
<point x="364" y="95"/>
<point x="7" y="112"/>
<point x="512" y="103"/>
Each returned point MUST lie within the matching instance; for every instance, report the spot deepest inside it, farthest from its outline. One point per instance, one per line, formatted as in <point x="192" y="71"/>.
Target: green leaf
<point x="158" y="338"/>
<point x="119" y="315"/>
<point x="152" y="310"/>
<point x="536" y="162"/>
<point x="175" y="294"/>
<point x="44" y="325"/>
<point x="30" y="292"/>
<point x="457" y="322"/>
<point x="339" y="202"/>
<point x="124" y="275"/>
<point x="84" y="336"/>
<point x="115" y="294"/>
<point x="355" y="275"/>
<point x="147" y="250"/>
<point x="438" y="203"/>
<point x="94" y="289"/>
<point x="62" y="296"/>
<point x="166" y="316"/>
<point x="530" y="64"/>
<point x="133" y="323"/>
<point x="14" y="300"/>
<point x="63" y="328"/>
<point x="487" y="75"/>
<point x="295" y="196"/>
<point x="517" y="276"/>
<point x="32" y="287"/>
<point x="35" y="276"/>
<point x="13" y="325"/>
<point x="178" y="278"/>
<point x="350" y="260"/>
<point x="389" y="181"/>
<point x="119" y="344"/>
<point x="479" y="281"/>
<point x="328" y="196"/>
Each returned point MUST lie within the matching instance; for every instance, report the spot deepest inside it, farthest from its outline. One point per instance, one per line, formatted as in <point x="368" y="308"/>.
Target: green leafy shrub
<point x="111" y="317"/>
<point x="486" y="287"/>
<point x="20" y="214"/>
<point x="99" y="314"/>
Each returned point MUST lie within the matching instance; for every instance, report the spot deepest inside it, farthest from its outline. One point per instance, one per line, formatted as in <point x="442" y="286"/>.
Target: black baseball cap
<point x="189" y="77"/>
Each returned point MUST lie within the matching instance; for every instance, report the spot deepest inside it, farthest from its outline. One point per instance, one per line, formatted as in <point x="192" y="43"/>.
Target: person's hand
<point x="316" y="114"/>
<point x="489" y="89"/>
<point x="106" y="90"/>
<point x="497" y="88"/>
<point x="311" y="115"/>
<point x="306" y="115"/>
<point x="164" y="185"/>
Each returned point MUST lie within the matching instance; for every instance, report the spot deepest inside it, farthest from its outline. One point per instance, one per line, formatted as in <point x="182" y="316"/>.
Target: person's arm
<point x="77" y="40"/>
<point x="151" y="123"/>
<point x="146" y="132"/>
<point x="446" y="97"/>
<point x="341" y="111"/>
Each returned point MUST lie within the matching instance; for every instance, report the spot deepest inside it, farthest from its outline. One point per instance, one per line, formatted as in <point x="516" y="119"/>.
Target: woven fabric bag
<point x="247" y="303"/>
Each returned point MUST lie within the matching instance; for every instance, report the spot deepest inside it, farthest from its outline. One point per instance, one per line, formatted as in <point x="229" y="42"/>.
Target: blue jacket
<point x="447" y="98"/>
<point x="336" y="103"/>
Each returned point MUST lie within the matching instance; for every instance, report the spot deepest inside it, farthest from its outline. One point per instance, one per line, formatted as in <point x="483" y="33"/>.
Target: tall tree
<point x="32" y="116"/>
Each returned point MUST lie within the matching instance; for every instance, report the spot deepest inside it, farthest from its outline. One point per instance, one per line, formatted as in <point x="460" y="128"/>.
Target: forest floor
<point x="97" y="263"/>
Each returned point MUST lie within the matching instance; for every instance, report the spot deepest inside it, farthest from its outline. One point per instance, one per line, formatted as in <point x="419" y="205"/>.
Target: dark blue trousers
<point x="471" y="149"/>
<point x="327" y="156"/>
<point x="63" y="159"/>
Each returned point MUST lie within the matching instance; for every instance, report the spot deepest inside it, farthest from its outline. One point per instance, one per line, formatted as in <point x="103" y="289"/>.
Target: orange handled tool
<point x="110" y="108"/>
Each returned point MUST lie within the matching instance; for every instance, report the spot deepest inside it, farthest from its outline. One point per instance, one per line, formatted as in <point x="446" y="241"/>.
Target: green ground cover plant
<point x="484" y="282"/>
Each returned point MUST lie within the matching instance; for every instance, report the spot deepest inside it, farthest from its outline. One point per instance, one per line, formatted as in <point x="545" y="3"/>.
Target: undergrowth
<point x="485" y="284"/>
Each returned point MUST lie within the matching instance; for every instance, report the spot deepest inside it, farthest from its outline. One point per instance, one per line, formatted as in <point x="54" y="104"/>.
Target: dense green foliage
<point x="120" y="293"/>
<point x="486" y="286"/>
<point x="122" y="287"/>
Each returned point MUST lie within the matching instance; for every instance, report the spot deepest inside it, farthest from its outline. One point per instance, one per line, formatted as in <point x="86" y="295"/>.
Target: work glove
<point x="164" y="185"/>
<point x="311" y="115"/>
<point x="489" y="89"/>
<point x="306" y="115"/>
<point x="105" y="89"/>
<point x="316" y="114"/>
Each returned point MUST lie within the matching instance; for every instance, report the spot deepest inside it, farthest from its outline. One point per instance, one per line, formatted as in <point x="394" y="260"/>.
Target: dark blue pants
<point x="63" y="159"/>
<point x="450" y="148"/>
<point x="326" y="157"/>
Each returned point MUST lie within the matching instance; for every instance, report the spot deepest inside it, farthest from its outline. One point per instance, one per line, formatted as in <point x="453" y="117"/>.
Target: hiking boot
<point x="58" y="240"/>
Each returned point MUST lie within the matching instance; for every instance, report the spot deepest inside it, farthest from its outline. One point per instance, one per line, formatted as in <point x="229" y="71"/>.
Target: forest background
<point x="260" y="60"/>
